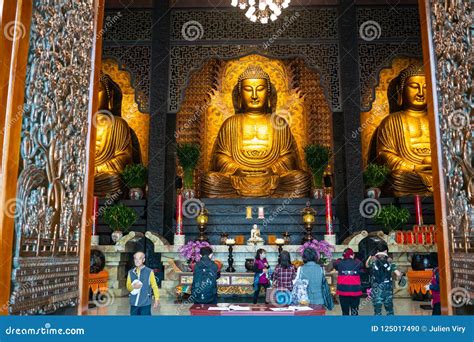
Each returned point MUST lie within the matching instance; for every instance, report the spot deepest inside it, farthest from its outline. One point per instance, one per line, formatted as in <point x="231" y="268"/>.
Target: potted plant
<point x="191" y="252"/>
<point x="323" y="250"/>
<point x="317" y="158"/>
<point x="134" y="176"/>
<point x="188" y="156"/>
<point x="119" y="218"/>
<point x="392" y="218"/>
<point x="374" y="177"/>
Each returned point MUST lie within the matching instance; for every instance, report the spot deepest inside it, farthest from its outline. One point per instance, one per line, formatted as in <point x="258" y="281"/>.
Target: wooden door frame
<point x="15" y="57"/>
<point x="88" y="196"/>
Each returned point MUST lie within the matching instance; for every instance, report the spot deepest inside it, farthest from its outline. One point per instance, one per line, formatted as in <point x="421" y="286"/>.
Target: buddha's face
<point x="414" y="93"/>
<point x="254" y="95"/>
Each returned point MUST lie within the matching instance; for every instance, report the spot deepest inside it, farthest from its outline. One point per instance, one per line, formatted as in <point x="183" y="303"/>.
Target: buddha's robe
<point x="254" y="154"/>
<point x="401" y="146"/>
<point x="113" y="153"/>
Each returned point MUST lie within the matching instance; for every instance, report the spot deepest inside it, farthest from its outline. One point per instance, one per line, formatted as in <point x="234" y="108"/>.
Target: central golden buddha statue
<point x="403" y="138"/>
<point x="255" y="154"/>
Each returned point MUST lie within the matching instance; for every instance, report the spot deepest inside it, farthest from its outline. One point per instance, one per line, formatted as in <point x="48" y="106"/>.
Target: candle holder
<point x="230" y="243"/>
<point x="280" y="243"/>
<point x="202" y="220"/>
<point x="308" y="219"/>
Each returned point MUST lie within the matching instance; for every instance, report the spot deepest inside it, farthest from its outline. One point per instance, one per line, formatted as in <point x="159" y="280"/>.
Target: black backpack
<point x="381" y="271"/>
<point x="204" y="287"/>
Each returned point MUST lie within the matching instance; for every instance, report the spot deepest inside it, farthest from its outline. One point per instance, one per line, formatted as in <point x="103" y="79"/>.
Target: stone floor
<point x="120" y="306"/>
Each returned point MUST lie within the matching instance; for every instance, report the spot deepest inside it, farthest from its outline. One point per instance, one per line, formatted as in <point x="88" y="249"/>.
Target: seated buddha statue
<point x="113" y="149"/>
<point x="253" y="157"/>
<point x="403" y="137"/>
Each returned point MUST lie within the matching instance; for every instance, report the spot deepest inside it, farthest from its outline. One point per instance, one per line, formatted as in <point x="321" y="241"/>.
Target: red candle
<point x="418" y="212"/>
<point x="95" y="212"/>
<point x="429" y="238"/>
<point x="179" y="216"/>
<point x="408" y="238"/>
<point x="399" y="237"/>
<point x="420" y="238"/>
<point x="329" y="227"/>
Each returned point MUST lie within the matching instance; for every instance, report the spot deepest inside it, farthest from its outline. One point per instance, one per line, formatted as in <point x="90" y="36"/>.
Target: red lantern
<point x="416" y="228"/>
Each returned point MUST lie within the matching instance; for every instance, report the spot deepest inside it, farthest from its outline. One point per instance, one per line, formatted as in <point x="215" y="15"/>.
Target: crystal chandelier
<point x="261" y="10"/>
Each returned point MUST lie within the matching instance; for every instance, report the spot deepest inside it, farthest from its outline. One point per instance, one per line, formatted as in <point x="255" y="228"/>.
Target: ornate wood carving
<point x="452" y="28"/>
<point x="50" y="187"/>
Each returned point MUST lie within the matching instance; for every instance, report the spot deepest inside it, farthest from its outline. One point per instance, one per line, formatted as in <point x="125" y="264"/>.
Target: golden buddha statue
<point x="113" y="149"/>
<point x="254" y="155"/>
<point x="403" y="137"/>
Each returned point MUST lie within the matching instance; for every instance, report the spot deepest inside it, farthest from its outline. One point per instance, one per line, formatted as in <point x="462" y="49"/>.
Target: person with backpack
<point x="348" y="282"/>
<point x="261" y="278"/>
<point x="141" y="282"/>
<point x="381" y="269"/>
<point x="205" y="275"/>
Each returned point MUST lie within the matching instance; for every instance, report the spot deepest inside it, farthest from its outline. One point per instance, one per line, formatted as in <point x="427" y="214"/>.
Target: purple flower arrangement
<point x="322" y="248"/>
<point x="191" y="250"/>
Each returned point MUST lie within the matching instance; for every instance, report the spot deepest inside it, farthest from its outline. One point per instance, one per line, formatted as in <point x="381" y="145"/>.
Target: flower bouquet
<point x="191" y="251"/>
<point x="322" y="248"/>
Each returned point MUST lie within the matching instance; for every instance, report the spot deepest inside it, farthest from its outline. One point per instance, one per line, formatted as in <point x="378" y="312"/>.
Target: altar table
<point x="255" y="310"/>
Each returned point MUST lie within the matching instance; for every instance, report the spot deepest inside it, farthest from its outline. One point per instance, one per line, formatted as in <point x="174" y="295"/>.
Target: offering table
<point x="255" y="310"/>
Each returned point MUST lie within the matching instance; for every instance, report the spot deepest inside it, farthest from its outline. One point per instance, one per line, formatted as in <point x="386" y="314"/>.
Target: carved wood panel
<point x="53" y="153"/>
<point x="452" y="30"/>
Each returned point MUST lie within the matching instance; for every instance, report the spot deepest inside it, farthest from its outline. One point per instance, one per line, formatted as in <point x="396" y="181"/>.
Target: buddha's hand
<point x="427" y="160"/>
<point x="423" y="167"/>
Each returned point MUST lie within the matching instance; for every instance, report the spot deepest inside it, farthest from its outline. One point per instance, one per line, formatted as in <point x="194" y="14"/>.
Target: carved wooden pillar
<point x="447" y="51"/>
<point x="48" y="159"/>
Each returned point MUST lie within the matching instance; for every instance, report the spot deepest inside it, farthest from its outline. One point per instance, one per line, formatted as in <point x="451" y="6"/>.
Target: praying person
<point x="141" y="283"/>
<point x="205" y="275"/>
<point x="284" y="273"/>
<point x="313" y="273"/>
